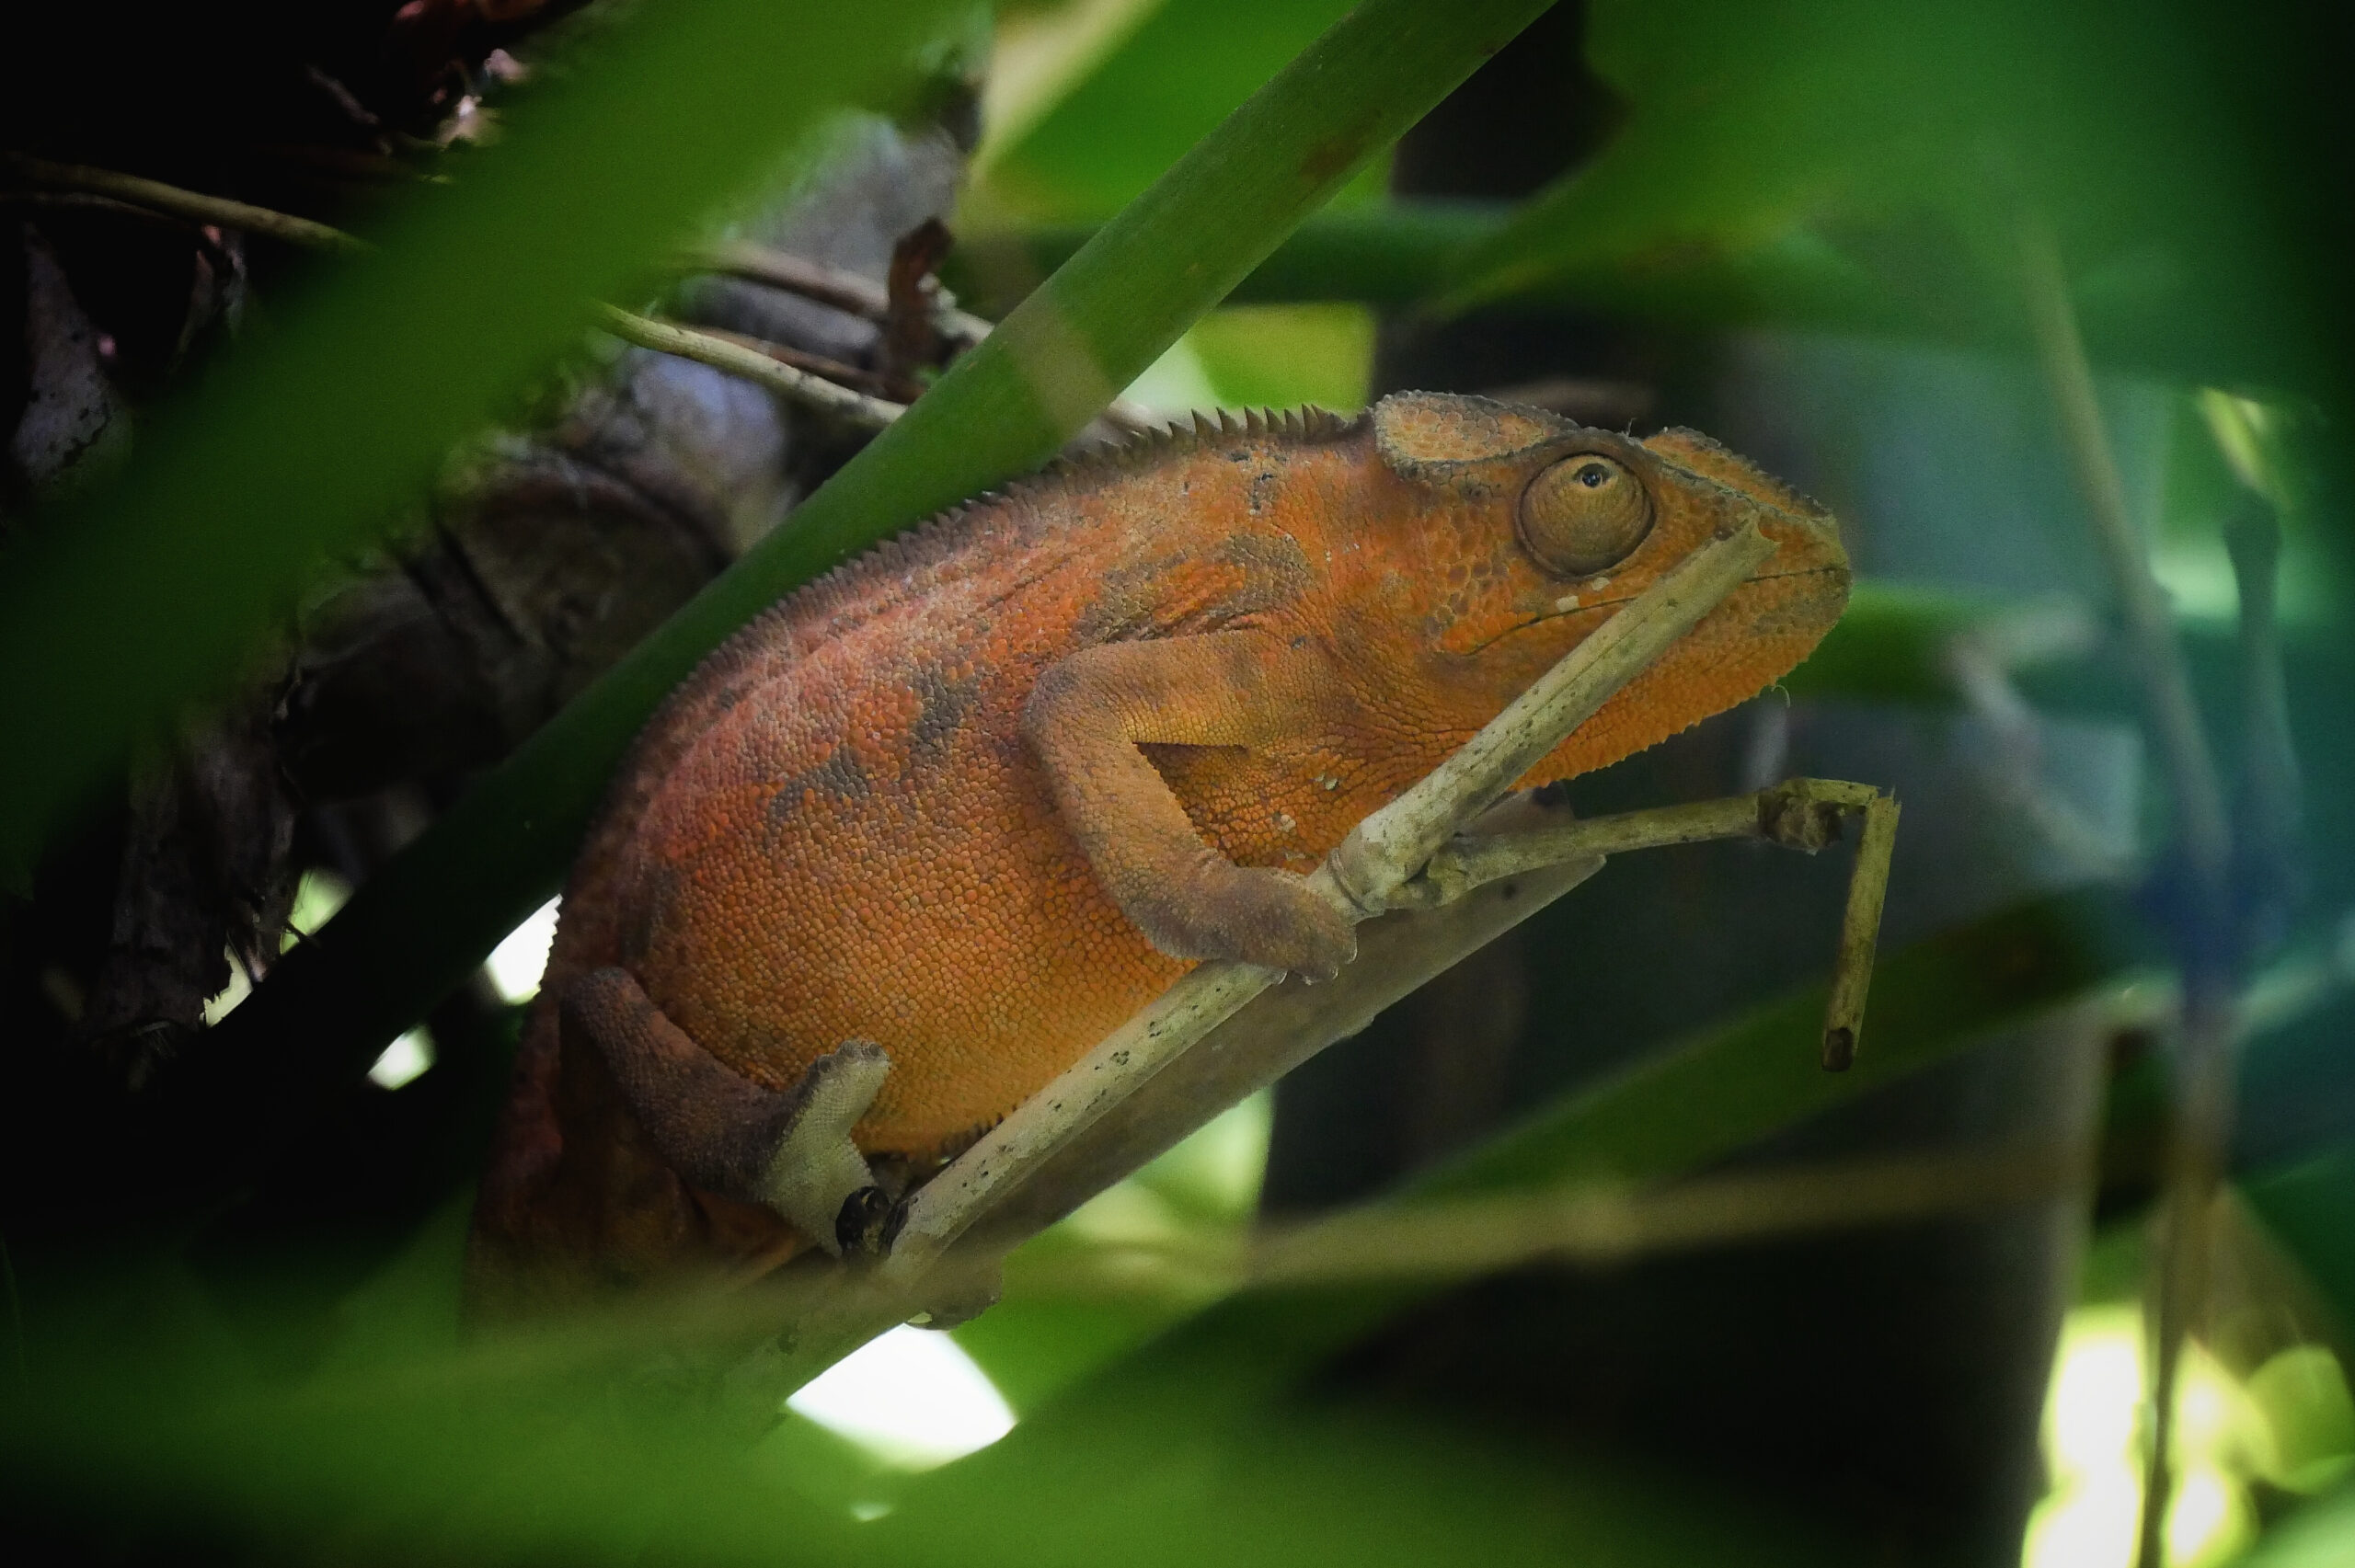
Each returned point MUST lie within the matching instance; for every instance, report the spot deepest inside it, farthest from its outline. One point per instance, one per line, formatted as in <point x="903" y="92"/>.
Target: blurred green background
<point x="1795" y="226"/>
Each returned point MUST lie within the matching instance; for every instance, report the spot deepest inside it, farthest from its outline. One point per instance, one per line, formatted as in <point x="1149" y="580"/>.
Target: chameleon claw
<point x="865" y="1222"/>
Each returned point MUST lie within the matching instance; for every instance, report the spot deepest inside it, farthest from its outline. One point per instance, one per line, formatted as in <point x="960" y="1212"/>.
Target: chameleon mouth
<point x="1585" y="608"/>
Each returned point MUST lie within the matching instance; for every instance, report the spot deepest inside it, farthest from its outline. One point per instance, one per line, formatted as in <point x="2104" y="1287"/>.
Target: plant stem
<point x="193" y="205"/>
<point x="2203" y="834"/>
<point x="801" y="386"/>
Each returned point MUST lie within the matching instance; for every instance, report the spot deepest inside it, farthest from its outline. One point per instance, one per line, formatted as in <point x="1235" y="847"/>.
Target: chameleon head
<point x="1529" y="532"/>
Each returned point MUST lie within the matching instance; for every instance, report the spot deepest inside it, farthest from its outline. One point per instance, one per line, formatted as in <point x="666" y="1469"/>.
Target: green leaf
<point x="1840" y="163"/>
<point x="1398" y="253"/>
<point x="1160" y="90"/>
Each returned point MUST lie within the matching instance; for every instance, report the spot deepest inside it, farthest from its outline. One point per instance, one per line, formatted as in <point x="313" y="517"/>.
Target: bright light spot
<point x="1216" y="1171"/>
<point x="2097" y="1396"/>
<point x="2093" y="1437"/>
<point x="2207" y="1512"/>
<point x="912" y="1399"/>
<point x="867" y="1513"/>
<point x="1175" y="384"/>
<point x="316" y="899"/>
<point x="515" y="965"/>
<point x="2087" y="1526"/>
<point x="221" y="1005"/>
<point x="403" y="1061"/>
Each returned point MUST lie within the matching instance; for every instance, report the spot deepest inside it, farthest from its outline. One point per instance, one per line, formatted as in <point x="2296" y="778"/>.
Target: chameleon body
<point x="980" y="794"/>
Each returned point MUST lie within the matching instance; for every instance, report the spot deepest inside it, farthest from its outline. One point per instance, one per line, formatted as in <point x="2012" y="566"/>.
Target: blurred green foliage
<point x="1142" y="106"/>
<point x="1283" y="356"/>
<point x="1828" y="163"/>
<point x="586" y="1441"/>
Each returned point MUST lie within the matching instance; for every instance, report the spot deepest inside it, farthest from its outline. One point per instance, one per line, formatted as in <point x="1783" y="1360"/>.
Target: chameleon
<point x="928" y="828"/>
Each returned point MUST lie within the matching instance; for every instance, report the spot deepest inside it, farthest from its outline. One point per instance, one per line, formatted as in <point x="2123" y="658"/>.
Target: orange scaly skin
<point x="930" y="800"/>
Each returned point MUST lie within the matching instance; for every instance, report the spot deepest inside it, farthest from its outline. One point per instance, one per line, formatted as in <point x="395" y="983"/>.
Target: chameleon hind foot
<point x="718" y="1129"/>
<point x="817" y="1174"/>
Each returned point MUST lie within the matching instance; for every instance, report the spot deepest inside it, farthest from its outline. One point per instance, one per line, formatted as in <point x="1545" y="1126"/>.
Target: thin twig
<point x="723" y="354"/>
<point x="875" y="383"/>
<point x="856" y="294"/>
<point x="1800" y="814"/>
<point x="1579" y="1223"/>
<point x="1393" y="845"/>
<point x="193" y="205"/>
<point x="850" y="293"/>
<point x="2206" y="1027"/>
<point x="1852" y="964"/>
<point x="2166" y="685"/>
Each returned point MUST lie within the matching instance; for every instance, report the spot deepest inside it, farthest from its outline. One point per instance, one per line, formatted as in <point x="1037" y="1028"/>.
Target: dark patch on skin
<point x="1263" y="483"/>
<point x="1274" y="567"/>
<point x="1799" y="611"/>
<point x="651" y="913"/>
<point x="839" y="777"/>
<point x="941" y="707"/>
<point x="1129" y="603"/>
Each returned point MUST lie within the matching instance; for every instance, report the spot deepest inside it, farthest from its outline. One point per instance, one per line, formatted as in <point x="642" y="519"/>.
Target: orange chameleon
<point x="913" y="840"/>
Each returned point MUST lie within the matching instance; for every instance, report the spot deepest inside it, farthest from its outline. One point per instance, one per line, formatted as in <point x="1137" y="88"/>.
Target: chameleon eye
<point x="1582" y="515"/>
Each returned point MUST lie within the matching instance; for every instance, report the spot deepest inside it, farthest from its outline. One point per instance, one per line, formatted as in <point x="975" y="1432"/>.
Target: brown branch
<point x="1802" y="814"/>
<point x="875" y="383"/>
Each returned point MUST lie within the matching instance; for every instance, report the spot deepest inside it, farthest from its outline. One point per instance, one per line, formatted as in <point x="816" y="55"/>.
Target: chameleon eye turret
<point x="1584" y="515"/>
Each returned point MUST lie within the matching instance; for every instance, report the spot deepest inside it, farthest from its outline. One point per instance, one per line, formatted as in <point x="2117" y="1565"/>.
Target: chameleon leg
<point x="723" y="1132"/>
<point x="1085" y="721"/>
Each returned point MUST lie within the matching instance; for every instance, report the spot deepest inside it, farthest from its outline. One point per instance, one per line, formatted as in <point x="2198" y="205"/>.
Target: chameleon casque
<point x="980" y="794"/>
